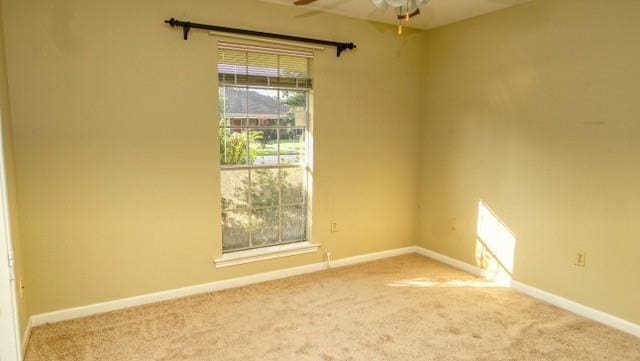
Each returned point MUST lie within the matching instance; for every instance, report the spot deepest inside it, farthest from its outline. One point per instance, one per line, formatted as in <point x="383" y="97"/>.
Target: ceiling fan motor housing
<point x="401" y="7"/>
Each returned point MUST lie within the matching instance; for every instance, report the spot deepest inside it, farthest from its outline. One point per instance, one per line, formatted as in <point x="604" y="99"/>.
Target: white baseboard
<point x="93" y="309"/>
<point x="558" y="301"/>
<point x="369" y="257"/>
<point x="463" y="266"/>
<point x="83" y="311"/>
<point x="577" y="308"/>
<point x="25" y="338"/>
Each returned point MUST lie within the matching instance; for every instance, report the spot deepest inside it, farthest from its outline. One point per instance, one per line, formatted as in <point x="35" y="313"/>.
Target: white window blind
<point x="246" y="65"/>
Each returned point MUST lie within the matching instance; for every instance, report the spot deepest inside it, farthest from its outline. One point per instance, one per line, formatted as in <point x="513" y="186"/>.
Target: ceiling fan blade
<point x="303" y="2"/>
<point x="402" y="17"/>
<point x="380" y="4"/>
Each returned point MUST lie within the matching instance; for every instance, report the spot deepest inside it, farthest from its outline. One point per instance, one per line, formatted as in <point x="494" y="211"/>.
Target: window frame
<point x="302" y="165"/>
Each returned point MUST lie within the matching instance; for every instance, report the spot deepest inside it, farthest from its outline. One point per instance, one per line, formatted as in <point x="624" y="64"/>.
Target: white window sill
<point x="265" y="253"/>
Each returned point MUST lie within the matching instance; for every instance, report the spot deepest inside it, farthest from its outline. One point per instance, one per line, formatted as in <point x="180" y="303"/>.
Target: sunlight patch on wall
<point x="495" y="245"/>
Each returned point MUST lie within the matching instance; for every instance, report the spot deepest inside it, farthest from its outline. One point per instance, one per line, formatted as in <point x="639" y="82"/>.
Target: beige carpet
<point x="403" y="308"/>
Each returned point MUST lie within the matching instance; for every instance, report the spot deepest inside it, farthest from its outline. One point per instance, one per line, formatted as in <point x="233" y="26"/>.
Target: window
<point x="264" y="117"/>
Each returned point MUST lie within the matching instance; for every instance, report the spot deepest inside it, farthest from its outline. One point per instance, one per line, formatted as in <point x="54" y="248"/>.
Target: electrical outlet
<point x="334" y="227"/>
<point x="21" y="288"/>
<point x="581" y="259"/>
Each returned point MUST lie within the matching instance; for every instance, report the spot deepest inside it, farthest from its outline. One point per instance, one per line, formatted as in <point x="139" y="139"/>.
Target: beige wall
<point x="10" y="174"/>
<point x="116" y="142"/>
<point x="535" y="111"/>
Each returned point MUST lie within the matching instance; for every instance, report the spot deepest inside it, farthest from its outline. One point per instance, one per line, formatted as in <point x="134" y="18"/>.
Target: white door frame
<point x="10" y="349"/>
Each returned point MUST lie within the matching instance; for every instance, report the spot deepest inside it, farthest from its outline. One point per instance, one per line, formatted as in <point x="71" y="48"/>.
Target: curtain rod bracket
<point x="344" y="46"/>
<point x="187" y="26"/>
<point x="185" y="30"/>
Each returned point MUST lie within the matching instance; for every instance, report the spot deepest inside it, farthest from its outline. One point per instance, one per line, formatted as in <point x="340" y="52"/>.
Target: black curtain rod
<point x="186" y="26"/>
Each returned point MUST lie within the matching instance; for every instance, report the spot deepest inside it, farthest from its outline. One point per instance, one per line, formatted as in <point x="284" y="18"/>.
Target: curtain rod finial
<point x="171" y="22"/>
<point x="344" y="46"/>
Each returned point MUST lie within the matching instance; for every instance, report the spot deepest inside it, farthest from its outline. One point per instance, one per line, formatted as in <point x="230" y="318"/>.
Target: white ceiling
<point x="437" y="13"/>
